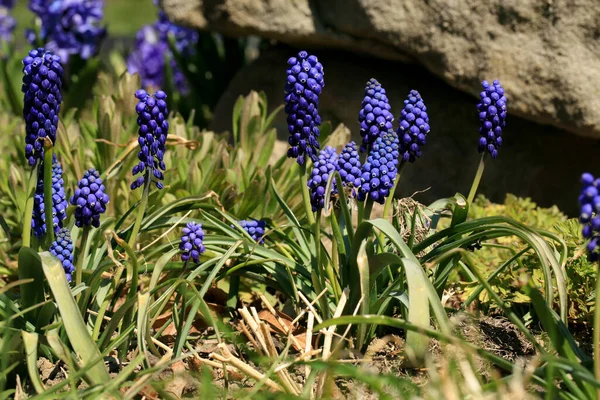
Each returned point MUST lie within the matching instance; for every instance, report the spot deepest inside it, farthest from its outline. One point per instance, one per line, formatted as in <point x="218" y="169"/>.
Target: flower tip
<point x="587" y="178"/>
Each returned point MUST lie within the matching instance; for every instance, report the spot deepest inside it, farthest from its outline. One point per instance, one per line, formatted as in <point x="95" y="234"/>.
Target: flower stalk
<point x="141" y="211"/>
<point x="28" y="216"/>
<point x="305" y="195"/>
<point x="81" y="255"/>
<point x="476" y="180"/>
<point x="390" y="199"/>
<point x="48" y="207"/>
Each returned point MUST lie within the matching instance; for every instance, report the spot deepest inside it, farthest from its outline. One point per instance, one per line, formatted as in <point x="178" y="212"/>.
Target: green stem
<point x="81" y="256"/>
<point x="367" y="210"/>
<point x="27" y="217"/>
<point x="48" y="151"/>
<point x="132" y="278"/>
<point x="477" y="179"/>
<point x="390" y="198"/>
<point x="597" y="335"/>
<point x="141" y="211"/>
<point x="329" y="270"/>
<point x="305" y="195"/>
<point x="317" y="263"/>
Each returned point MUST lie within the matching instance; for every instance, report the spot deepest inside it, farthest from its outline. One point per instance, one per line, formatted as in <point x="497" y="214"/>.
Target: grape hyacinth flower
<point x="59" y="200"/>
<point x="153" y="129"/>
<point x="151" y="46"/>
<point x="380" y="169"/>
<point x="42" y="84"/>
<point x="185" y="38"/>
<point x="413" y="127"/>
<point x="348" y="165"/>
<point x="323" y="168"/>
<point x="90" y="198"/>
<point x="191" y="242"/>
<point x="492" y="115"/>
<point x="62" y="248"/>
<point x="302" y="89"/>
<point x="255" y="228"/>
<point x="7" y="24"/>
<point x="589" y="200"/>
<point x="148" y="58"/>
<point x="70" y="27"/>
<point x="375" y="116"/>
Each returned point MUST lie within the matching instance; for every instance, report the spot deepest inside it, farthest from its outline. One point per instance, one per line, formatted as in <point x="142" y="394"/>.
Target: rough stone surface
<point x="538" y="161"/>
<point x="545" y="52"/>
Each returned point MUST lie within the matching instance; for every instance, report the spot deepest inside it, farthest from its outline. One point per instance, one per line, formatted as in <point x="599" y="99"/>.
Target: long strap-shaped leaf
<point x="494" y="227"/>
<point x="72" y="320"/>
<point x="421" y="292"/>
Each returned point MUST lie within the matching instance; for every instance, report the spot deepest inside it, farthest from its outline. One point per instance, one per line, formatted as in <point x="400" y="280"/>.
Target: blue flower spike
<point x="62" y="248"/>
<point x="348" y="165"/>
<point x="152" y="44"/>
<point x="7" y="23"/>
<point x="589" y="216"/>
<point x="492" y="116"/>
<point x="303" y="86"/>
<point x="380" y="169"/>
<point x="255" y="228"/>
<point x="153" y="130"/>
<point x="191" y="242"/>
<point x="317" y="183"/>
<point x="42" y="85"/>
<point x="90" y="198"/>
<point x="413" y="127"/>
<point x="374" y="117"/>
<point x="70" y="27"/>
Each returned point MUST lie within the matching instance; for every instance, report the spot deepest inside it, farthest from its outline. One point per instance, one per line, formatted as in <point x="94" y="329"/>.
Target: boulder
<point x="545" y="53"/>
<point x="542" y="162"/>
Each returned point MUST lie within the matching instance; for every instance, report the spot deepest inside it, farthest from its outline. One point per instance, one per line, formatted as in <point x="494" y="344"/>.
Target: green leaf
<point x="235" y="123"/>
<point x="73" y="322"/>
<point x="31" y="344"/>
<point x="32" y="293"/>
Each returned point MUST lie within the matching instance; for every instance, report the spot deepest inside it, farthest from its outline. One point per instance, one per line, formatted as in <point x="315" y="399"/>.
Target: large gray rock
<point x="546" y="53"/>
<point x="538" y="161"/>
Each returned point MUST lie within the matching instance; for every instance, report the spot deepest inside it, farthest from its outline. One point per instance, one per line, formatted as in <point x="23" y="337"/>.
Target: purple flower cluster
<point x="59" y="200"/>
<point x="255" y="228"/>
<point x="42" y="84"/>
<point x="413" y="127"/>
<point x="380" y="169"/>
<point x="185" y="38"/>
<point x="375" y="116"/>
<point x="303" y="86"/>
<point x="152" y="52"/>
<point x="62" y="248"/>
<point x="191" y="242"/>
<point x="492" y="115"/>
<point x="7" y="22"/>
<point x="90" y="198"/>
<point x="323" y="168"/>
<point x="70" y="27"/>
<point x="348" y="165"/>
<point x="589" y="200"/>
<point x="153" y="129"/>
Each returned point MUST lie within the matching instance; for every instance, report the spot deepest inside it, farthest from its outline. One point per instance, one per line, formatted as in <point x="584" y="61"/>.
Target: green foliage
<point x="580" y="272"/>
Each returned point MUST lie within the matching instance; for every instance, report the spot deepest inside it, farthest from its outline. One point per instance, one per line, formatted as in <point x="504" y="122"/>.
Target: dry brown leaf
<point x="176" y="386"/>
